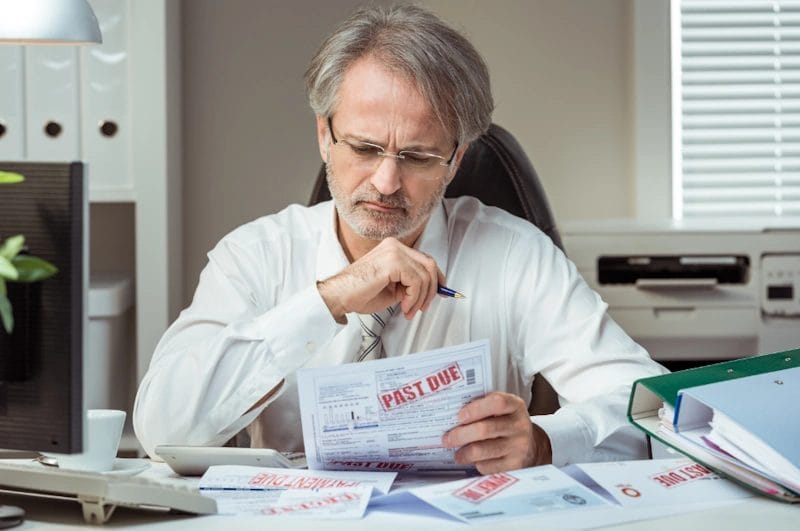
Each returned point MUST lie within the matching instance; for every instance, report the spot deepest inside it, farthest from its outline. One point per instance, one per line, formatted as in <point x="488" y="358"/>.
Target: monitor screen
<point x="41" y="402"/>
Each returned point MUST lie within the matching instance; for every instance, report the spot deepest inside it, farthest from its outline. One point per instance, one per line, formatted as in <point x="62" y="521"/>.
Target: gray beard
<point x="380" y="225"/>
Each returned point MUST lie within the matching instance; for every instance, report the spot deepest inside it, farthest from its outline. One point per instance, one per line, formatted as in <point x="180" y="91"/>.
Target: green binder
<point x="650" y="394"/>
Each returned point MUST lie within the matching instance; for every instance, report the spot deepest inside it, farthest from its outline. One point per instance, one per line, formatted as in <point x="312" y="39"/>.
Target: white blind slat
<point x="739" y="209"/>
<point x="766" y="62"/>
<point x="773" y="105"/>
<point x="749" y="193"/>
<point x="741" y="77"/>
<point x="738" y="34"/>
<point x="749" y="120"/>
<point x="728" y="180"/>
<point x="757" y="164"/>
<point x="738" y="5"/>
<point x="741" y="134"/>
<point x="740" y="48"/>
<point x="728" y="91"/>
<point x="737" y="151"/>
<point x="761" y="17"/>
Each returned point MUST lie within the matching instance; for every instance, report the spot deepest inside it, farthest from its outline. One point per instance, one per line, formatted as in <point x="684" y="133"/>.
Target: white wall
<point x="561" y="73"/>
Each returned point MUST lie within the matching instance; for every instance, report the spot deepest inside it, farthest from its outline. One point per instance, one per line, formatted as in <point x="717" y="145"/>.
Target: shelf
<point x="112" y="195"/>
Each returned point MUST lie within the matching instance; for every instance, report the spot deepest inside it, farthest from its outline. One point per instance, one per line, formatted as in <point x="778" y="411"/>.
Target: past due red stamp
<point x="682" y="475"/>
<point x="309" y="505"/>
<point x="485" y="487"/>
<point x="421" y="387"/>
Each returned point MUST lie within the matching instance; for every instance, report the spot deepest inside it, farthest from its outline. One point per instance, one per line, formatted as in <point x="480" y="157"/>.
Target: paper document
<point x="348" y="503"/>
<point x="657" y="483"/>
<point x="390" y="414"/>
<point x="576" y="497"/>
<point x="539" y="491"/>
<point x="715" y="459"/>
<point x="744" y="421"/>
<point x="281" y="491"/>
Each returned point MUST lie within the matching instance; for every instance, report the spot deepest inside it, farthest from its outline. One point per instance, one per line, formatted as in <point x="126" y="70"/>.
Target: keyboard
<point x="100" y="494"/>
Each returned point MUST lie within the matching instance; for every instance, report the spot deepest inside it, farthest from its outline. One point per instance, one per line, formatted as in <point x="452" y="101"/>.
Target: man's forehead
<point x="372" y="98"/>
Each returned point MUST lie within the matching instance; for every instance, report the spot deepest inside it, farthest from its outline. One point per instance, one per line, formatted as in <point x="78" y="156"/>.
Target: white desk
<point x="753" y="514"/>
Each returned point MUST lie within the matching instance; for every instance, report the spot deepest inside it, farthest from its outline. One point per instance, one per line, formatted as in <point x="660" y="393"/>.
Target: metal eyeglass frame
<point x="400" y="155"/>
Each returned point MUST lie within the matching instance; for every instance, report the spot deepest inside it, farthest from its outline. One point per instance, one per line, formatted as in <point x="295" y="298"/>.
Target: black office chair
<point x="496" y="170"/>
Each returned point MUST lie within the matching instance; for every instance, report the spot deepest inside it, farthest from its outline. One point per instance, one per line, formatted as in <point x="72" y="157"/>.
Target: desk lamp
<point x="48" y="22"/>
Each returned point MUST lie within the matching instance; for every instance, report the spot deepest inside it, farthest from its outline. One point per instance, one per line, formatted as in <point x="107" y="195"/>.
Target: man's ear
<point x="323" y="137"/>
<point x="456" y="162"/>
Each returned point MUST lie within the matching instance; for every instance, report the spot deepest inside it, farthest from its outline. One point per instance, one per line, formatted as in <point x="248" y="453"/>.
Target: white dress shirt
<point x="257" y="316"/>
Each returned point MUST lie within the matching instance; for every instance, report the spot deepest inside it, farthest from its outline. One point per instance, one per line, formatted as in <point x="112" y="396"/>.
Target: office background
<point x="562" y="75"/>
<point x="214" y="131"/>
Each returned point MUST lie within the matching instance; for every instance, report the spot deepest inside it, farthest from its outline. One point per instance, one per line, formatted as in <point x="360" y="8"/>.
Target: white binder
<point x="52" y="106"/>
<point x="104" y="100"/>
<point x="12" y="103"/>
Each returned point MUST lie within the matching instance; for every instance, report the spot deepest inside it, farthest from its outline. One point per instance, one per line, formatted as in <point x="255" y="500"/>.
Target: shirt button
<point x="311" y="347"/>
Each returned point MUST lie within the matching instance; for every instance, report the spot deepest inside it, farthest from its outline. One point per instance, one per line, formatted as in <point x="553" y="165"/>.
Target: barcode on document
<point x="470" y="376"/>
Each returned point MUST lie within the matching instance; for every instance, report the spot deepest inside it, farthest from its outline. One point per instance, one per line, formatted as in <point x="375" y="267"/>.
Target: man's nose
<point x="386" y="177"/>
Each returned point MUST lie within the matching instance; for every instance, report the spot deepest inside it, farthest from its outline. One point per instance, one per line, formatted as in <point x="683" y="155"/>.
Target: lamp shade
<point x="48" y="22"/>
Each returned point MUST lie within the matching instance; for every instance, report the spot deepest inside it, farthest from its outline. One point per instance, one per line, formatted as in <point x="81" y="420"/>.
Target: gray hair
<point x="409" y="40"/>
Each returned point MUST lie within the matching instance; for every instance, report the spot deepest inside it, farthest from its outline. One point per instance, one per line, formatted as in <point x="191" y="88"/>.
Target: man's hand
<point x="391" y="272"/>
<point x="496" y="434"/>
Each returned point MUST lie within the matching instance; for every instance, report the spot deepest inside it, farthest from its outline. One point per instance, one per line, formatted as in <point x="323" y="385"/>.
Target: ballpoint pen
<point x="447" y="292"/>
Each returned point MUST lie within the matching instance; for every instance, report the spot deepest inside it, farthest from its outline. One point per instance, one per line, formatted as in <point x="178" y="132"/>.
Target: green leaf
<point x="5" y="313"/>
<point x="32" y="268"/>
<point x="7" y="269"/>
<point x="9" y="177"/>
<point x="12" y="246"/>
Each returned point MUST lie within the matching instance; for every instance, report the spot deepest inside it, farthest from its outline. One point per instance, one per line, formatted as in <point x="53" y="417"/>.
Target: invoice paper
<point x="581" y="496"/>
<point x="390" y="414"/>
<point x="657" y="483"/>
<point x="350" y="503"/>
<point x="536" y="492"/>
<point x="281" y="491"/>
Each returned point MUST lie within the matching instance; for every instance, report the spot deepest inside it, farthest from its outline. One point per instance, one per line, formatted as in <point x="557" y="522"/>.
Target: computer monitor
<point x="41" y="388"/>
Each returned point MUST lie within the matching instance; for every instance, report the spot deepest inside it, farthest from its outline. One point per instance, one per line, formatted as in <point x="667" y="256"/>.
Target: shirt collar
<point x="433" y="240"/>
<point x="331" y="258"/>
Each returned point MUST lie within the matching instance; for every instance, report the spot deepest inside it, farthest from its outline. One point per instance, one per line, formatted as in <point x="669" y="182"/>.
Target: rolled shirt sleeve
<point x="226" y="352"/>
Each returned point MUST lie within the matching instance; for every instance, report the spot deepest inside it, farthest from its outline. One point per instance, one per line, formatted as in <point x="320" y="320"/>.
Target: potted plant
<point x="16" y="265"/>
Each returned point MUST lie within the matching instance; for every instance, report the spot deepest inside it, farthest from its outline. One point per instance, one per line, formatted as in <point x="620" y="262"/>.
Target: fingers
<point x="391" y="272"/>
<point x="501" y="464"/>
<point x="528" y="447"/>
<point x="492" y="405"/>
<point x="415" y="274"/>
<point x="499" y="444"/>
<point x="497" y="434"/>
<point x="438" y="280"/>
<point x="430" y="275"/>
<point x="493" y="466"/>
<point x="416" y="280"/>
<point x="506" y="425"/>
<point x="485" y="451"/>
<point x="436" y="277"/>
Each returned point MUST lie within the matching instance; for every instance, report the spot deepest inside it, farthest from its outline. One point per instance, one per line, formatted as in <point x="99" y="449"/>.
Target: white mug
<point x="102" y="433"/>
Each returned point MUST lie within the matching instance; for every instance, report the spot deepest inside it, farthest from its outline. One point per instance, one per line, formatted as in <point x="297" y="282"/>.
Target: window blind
<point x="739" y="108"/>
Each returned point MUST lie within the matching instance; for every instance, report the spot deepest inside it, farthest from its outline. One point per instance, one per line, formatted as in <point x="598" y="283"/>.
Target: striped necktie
<point x="371" y="327"/>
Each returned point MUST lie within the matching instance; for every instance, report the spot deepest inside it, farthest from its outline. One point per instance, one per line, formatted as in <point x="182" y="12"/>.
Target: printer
<point x="695" y="291"/>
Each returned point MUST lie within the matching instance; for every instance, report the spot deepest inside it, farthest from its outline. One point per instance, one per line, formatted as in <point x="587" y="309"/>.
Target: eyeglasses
<point x="367" y="157"/>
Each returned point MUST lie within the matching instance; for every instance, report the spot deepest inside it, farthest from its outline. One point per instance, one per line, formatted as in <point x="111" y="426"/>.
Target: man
<point x="398" y="96"/>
